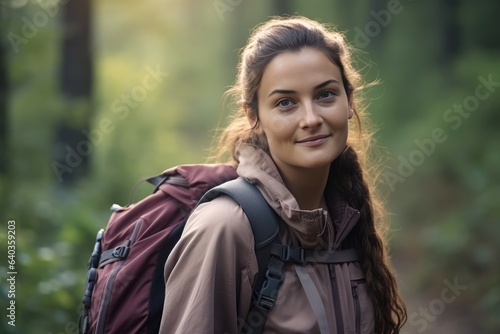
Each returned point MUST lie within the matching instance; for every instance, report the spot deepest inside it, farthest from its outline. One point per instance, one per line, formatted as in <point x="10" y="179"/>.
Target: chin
<point x="317" y="164"/>
<point x="323" y="161"/>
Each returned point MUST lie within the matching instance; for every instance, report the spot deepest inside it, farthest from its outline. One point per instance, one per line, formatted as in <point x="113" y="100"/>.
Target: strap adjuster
<point x="269" y="291"/>
<point x="265" y="303"/>
<point x="121" y="252"/>
<point x="293" y="254"/>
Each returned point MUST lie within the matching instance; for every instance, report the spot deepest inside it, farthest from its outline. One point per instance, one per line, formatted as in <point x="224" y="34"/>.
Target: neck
<point x="307" y="186"/>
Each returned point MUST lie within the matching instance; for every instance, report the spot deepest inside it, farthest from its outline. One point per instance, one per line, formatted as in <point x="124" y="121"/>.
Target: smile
<point x="313" y="140"/>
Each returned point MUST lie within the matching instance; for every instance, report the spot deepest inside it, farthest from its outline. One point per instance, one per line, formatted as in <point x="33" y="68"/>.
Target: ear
<point x="351" y="110"/>
<point x="252" y="118"/>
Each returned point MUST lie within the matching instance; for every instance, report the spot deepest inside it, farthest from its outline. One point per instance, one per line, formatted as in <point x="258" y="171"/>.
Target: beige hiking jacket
<point x="210" y="273"/>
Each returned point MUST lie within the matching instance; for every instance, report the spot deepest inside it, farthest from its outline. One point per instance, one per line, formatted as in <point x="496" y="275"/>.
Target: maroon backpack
<point x="125" y="285"/>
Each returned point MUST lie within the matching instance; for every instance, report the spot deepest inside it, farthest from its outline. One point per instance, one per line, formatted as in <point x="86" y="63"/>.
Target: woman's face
<point x="303" y="110"/>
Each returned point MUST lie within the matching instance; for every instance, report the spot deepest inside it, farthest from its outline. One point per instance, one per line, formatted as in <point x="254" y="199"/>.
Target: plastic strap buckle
<point x="121" y="252"/>
<point x="268" y="292"/>
<point x="293" y="254"/>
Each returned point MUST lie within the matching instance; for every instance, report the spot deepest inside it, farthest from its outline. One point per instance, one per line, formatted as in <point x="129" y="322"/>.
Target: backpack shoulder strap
<point x="265" y="228"/>
<point x="263" y="219"/>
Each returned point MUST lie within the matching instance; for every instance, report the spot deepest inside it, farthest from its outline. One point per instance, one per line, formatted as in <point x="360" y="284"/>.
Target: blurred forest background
<point x="96" y="95"/>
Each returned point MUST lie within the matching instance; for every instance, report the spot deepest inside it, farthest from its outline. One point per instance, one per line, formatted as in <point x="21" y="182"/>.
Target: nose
<point x="310" y="118"/>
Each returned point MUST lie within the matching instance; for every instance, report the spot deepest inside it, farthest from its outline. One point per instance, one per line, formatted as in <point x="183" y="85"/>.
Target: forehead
<point x="300" y="70"/>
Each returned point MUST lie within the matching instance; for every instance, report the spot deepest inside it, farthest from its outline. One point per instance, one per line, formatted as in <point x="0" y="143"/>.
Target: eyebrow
<point x="285" y="91"/>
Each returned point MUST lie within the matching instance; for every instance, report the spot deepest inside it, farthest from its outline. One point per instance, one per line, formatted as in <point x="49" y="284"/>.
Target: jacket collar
<point x="323" y="228"/>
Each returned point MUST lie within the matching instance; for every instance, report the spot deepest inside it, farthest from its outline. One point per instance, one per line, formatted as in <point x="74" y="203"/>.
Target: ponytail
<point x="368" y="238"/>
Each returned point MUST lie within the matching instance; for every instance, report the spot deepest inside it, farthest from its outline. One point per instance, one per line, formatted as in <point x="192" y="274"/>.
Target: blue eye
<point x="285" y="103"/>
<point x="326" y="94"/>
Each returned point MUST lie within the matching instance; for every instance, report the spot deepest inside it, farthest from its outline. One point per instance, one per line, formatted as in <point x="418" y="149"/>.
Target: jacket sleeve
<point x="210" y="272"/>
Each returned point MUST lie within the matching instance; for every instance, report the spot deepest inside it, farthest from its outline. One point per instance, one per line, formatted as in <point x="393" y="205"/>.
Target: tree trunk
<point x="4" y="91"/>
<point x="450" y="28"/>
<point x="76" y="67"/>
<point x="281" y="7"/>
<point x="72" y="148"/>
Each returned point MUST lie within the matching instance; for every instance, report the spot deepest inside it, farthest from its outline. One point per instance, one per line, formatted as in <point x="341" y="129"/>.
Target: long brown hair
<point x="353" y="178"/>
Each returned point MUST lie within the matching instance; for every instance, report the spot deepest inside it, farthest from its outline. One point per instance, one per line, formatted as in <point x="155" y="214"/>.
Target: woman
<point x="297" y="92"/>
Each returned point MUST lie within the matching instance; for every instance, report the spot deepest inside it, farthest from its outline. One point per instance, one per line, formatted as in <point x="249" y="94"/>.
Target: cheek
<point x="340" y="121"/>
<point x="280" y="125"/>
<point x="278" y="129"/>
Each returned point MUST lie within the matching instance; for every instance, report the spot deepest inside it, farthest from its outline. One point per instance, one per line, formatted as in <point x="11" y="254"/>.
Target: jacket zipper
<point x="103" y="309"/>
<point x="357" y="308"/>
<point x="336" y="300"/>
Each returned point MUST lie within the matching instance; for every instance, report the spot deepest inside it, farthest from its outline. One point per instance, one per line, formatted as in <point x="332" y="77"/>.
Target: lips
<point x="313" y="139"/>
